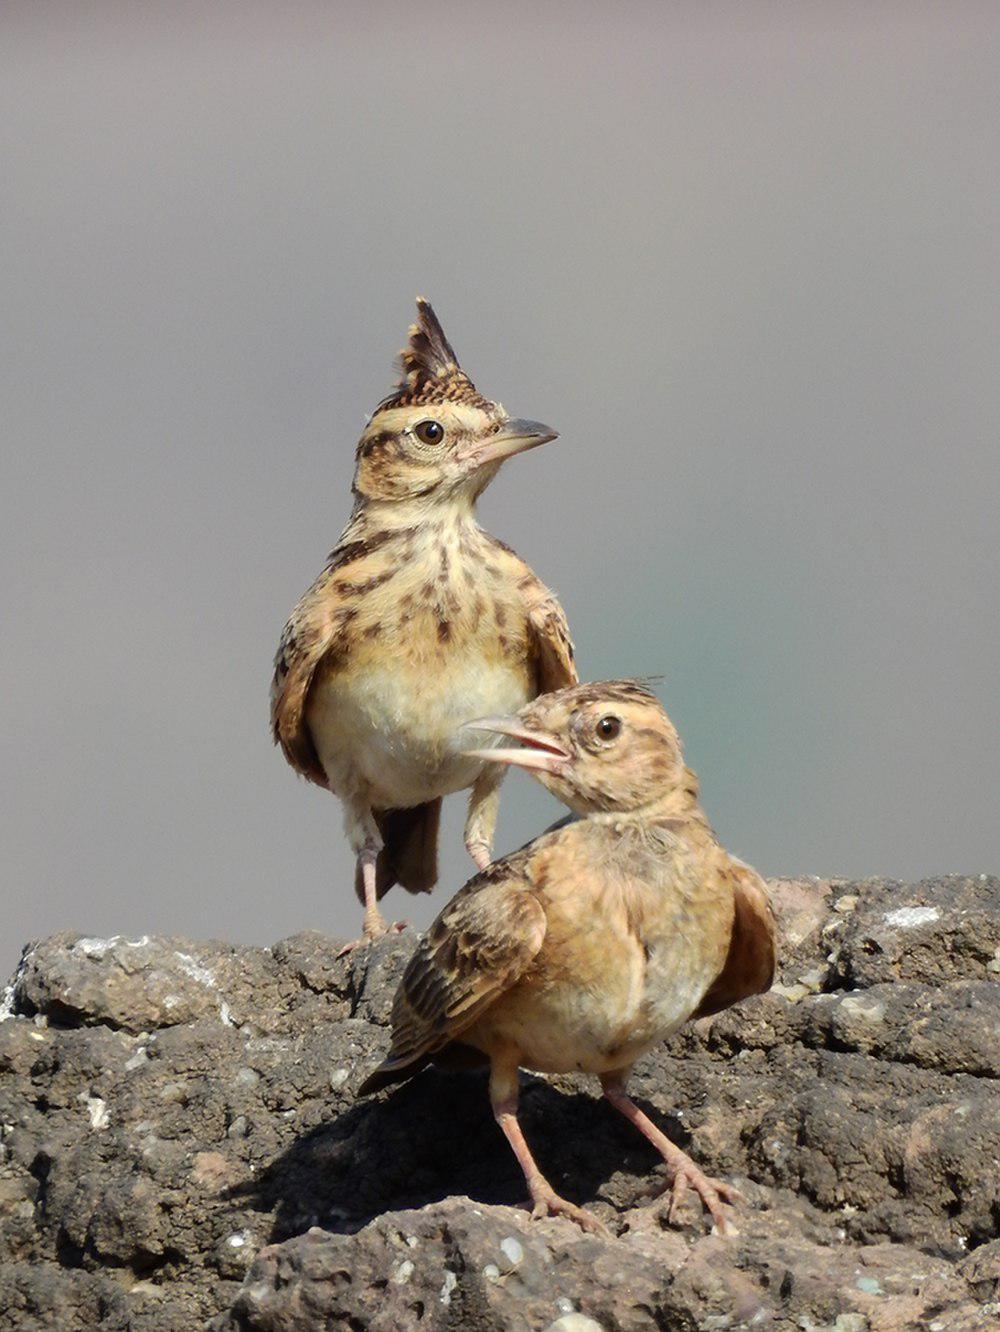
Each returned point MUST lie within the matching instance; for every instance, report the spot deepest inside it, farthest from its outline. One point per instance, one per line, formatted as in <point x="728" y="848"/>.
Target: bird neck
<point x="677" y="804"/>
<point x="373" y="515"/>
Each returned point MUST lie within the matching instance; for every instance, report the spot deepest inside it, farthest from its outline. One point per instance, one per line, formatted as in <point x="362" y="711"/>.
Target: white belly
<point x="395" y="736"/>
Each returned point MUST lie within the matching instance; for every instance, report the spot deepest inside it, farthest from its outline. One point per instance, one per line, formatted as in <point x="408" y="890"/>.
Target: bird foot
<point x="712" y="1192"/>
<point x="546" y="1202"/>
<point x="371" y="934"/>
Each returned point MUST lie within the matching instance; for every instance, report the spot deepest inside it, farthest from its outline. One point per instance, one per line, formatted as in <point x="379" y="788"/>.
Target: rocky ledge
<point x="180" y="1146"/>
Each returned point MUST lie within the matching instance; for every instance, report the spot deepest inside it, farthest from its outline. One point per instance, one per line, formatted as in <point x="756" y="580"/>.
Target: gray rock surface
<point x="180" y="1147"/>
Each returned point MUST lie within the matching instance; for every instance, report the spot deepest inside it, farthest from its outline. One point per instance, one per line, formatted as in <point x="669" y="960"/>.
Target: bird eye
<point x="429" y="432"/>
<point x="609" y="727"/>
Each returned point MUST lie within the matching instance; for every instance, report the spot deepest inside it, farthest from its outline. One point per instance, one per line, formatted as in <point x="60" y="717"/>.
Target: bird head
<point x="597" y="747"/>
<point x="435" y="437"/>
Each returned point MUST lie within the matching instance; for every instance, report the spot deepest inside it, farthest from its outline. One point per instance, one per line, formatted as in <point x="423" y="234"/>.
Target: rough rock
<point x="180" y="1146"/>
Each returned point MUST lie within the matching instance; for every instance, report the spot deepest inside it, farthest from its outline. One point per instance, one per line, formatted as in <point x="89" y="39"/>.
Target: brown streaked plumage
<point x="592" y="944"/>
<point x="419" y="622"/>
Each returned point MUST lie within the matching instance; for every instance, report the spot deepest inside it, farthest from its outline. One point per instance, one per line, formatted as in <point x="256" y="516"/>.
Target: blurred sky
<point x="743" y="257"/>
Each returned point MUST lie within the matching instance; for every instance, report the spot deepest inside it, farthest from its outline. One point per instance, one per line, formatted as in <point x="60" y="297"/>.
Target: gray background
<point x="744" y="257"/>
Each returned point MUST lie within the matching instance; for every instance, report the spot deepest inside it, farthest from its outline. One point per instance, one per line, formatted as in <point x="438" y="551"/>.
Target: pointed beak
<point x="542" y="752"/>
<point x="514" y="436"/>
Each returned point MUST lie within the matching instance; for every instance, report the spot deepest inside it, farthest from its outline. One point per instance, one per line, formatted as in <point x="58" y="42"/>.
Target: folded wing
<point x="750" y="962"/>
<point x="479" y="946"/>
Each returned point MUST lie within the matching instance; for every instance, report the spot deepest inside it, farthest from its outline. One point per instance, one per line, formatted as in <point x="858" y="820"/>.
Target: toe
<point x="553" y="1205"/>
<point x="713" y="1194"/>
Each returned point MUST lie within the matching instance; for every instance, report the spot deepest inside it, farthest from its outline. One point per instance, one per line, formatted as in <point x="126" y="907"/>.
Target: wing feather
<point x="548" y="629"/>
<point x="317" y="630"/>
<point x="556" y="668"/>
<point x="479" y="946"/>
<point x="750" y="962"/>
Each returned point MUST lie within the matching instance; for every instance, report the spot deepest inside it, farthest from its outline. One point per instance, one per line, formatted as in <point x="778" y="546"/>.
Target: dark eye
<point x="609" y="727"/>
<point x="430" y="432"/>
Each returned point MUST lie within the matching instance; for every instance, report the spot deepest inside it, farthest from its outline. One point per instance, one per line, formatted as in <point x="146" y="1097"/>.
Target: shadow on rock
<point x="435" y="1137"/>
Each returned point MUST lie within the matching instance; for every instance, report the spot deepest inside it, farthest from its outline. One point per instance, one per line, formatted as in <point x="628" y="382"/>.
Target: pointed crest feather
<point x="429" y="368"/>
<point x="429" y="354"/>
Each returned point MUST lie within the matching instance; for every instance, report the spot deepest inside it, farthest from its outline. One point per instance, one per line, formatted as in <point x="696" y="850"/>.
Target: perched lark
<point x="594" y="942"/>
<point x="419" y="622"/>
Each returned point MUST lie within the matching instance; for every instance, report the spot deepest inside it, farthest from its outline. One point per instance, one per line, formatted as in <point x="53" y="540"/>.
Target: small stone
<point x="512" y="1250"/>
<point x="861" y="1006"/>
<point x="97" y="1109"/>
<point x="846" y="904"/>
<point x="575" y="1322"/>
<point x="793" y="993"/>
<point x="146" y="1290"/>
<point x="813" y="980"/>
<point x="235" y="1254"/>
<point x="447" y="1286"/>
<point x="869" y="1285"/>
<point x="402" y="1273"/>
<point x="906" y="918"/>
<point x="337" y="1078"/>
<point x="491" y="1272"/>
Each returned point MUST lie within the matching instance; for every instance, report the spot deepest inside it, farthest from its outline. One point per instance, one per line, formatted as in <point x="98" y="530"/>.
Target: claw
<point x="373" y="933"/>
<point x="712" y="1192"/>
<point x="549" y="1203"/>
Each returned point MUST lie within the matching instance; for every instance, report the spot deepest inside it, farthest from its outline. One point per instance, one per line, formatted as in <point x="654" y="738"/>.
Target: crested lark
<point x="596" y="941"/>
<point x="419" y="622"/>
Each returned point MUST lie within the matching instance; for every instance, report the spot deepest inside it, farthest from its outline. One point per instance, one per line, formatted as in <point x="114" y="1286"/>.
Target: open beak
<point x="514" y="436"/>
<point x="542" y="752"/>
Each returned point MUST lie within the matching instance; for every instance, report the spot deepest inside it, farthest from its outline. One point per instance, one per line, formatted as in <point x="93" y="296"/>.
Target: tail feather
<point x="453" y="1056"/>
<point x="409" y="849"/>
<point x="389" y="1071"/>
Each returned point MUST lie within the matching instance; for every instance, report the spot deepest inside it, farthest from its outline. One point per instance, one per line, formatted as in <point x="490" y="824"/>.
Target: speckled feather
<point x="429" y="368"/>
<point x="420" y="622"/>
<point x="354" y="609"/>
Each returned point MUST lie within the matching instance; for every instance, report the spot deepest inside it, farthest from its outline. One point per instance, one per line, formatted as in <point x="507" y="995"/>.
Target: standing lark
<point x="419" y="622"/>
<point x="596" y="941"/>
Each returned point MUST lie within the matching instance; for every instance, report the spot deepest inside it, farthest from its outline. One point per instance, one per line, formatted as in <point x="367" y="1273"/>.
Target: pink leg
<point x="545" y="1200"/>
<point x="374" y="925"/>
<point x="682" y="1170"/>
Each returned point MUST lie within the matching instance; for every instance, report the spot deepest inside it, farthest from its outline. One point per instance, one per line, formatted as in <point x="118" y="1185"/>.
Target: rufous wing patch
<point x="752" y="956"/>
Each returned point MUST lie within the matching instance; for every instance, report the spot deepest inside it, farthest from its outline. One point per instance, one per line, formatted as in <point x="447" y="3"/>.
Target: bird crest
<point x="429" y="369"/>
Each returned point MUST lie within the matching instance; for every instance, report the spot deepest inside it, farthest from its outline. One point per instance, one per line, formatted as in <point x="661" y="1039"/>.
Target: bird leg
<point x="682" y="1171"/>
<point x="481" y="822"/>
<point x="374" y="922"/>
<point x="545" y="1201"/>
